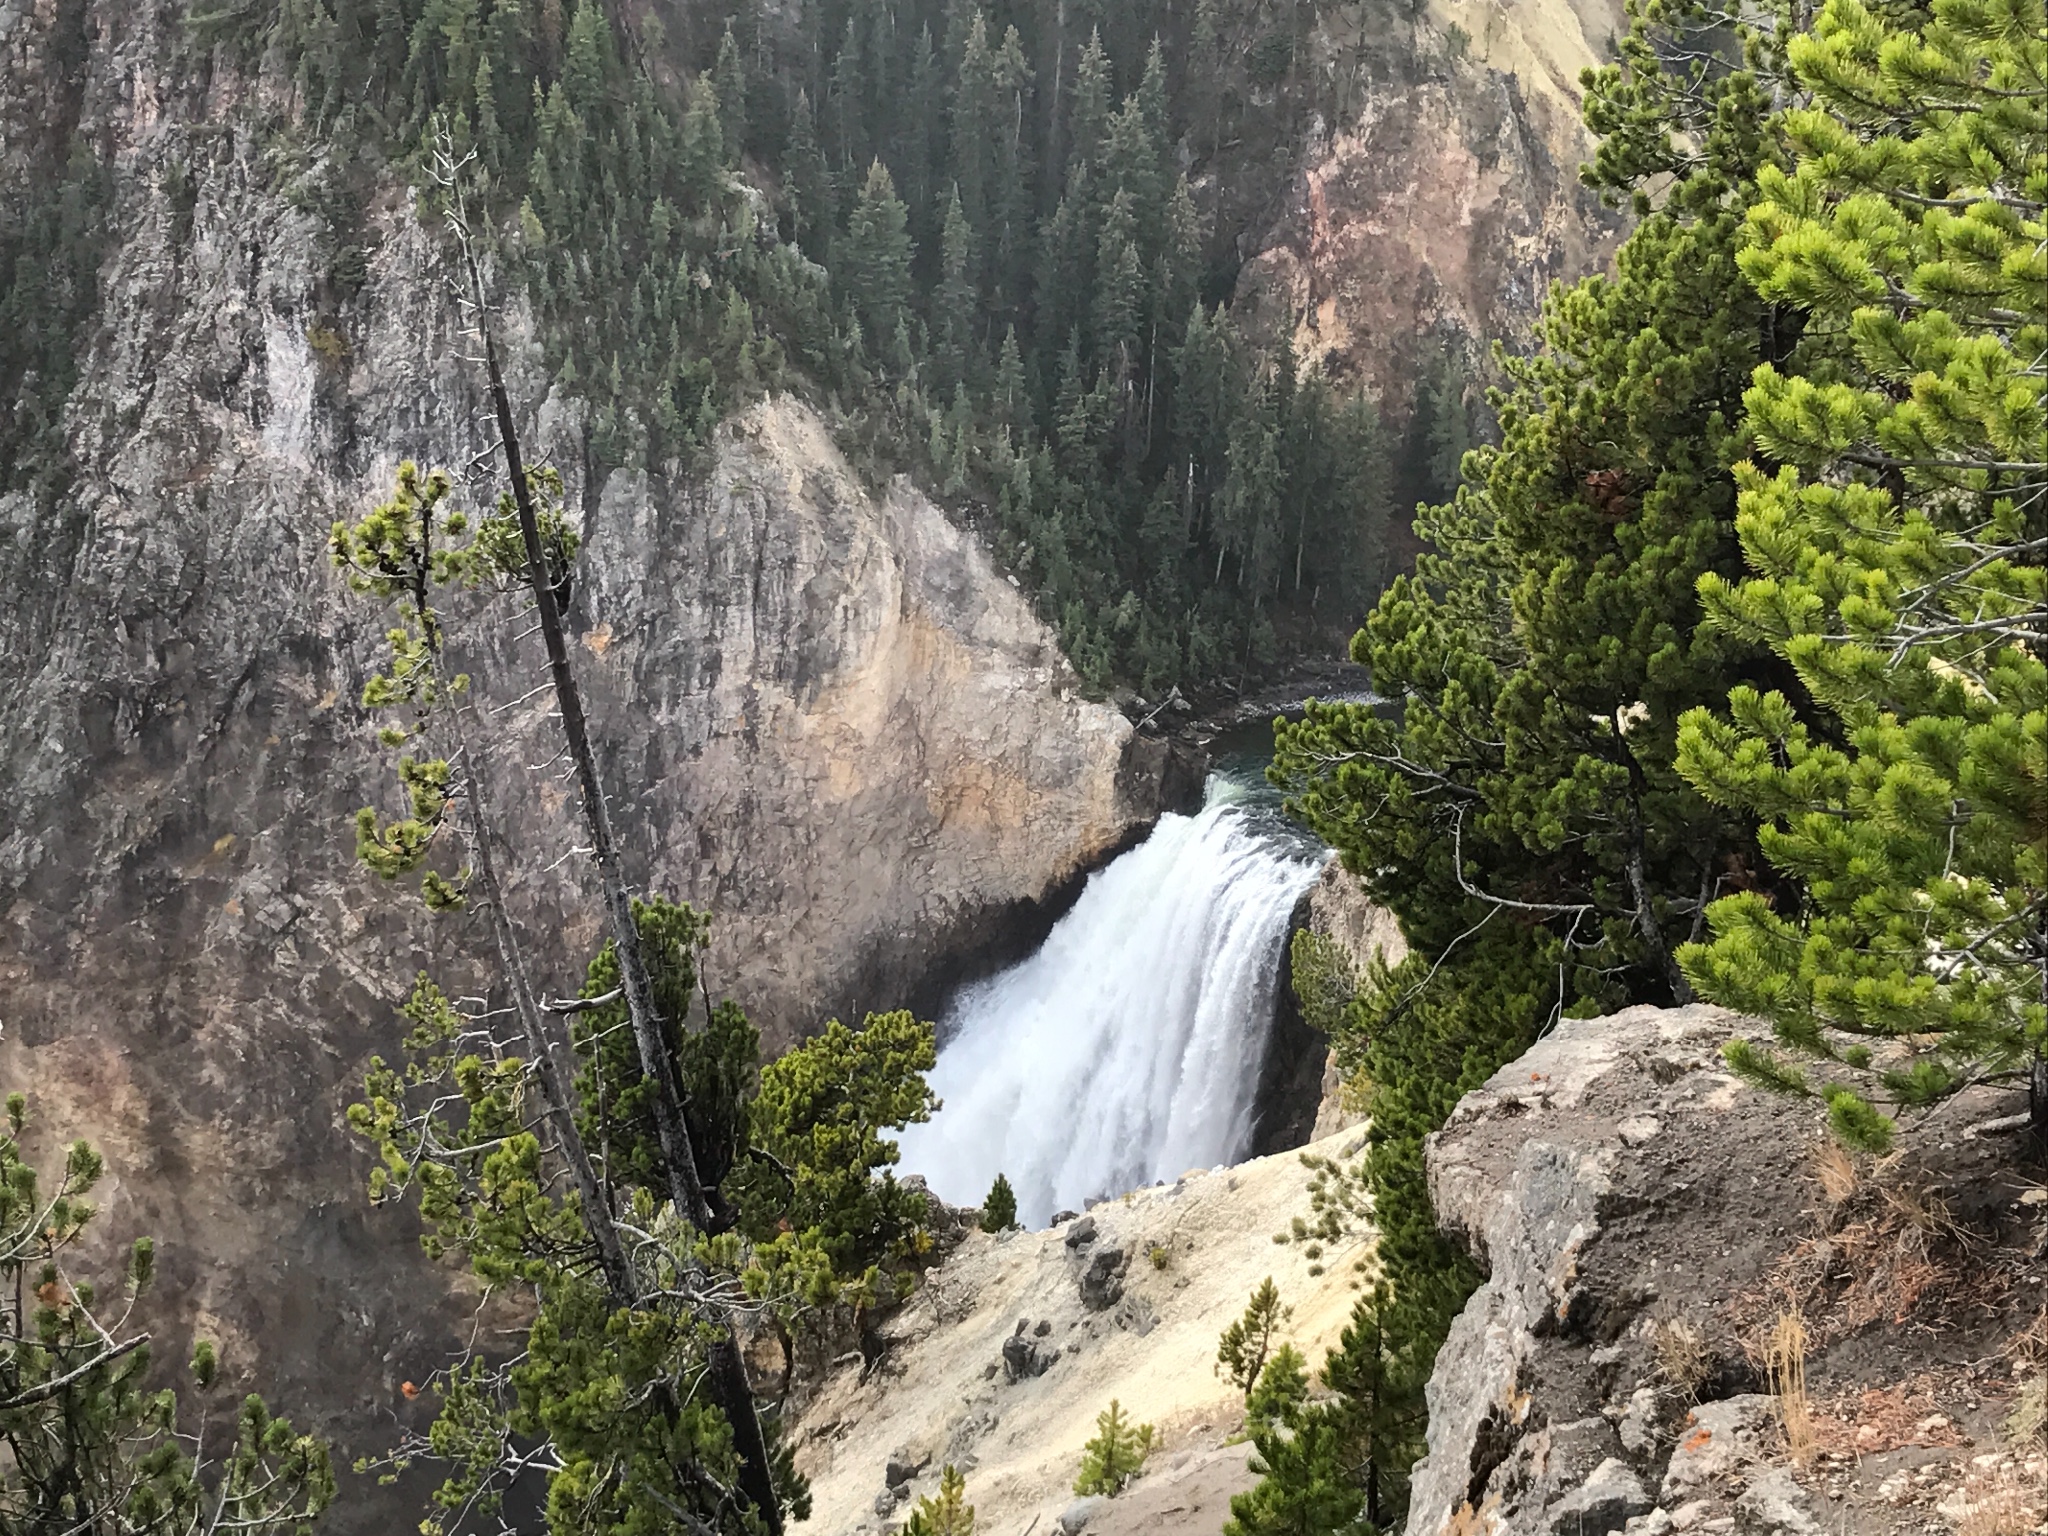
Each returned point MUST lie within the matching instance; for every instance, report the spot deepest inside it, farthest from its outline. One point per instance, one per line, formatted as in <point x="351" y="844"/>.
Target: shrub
<point x="999" y="1210"/>
<point x="1116" y="1454"/>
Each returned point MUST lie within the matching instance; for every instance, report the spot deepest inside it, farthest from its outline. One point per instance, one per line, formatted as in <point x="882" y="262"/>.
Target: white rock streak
<point x="1128" y="1048"/>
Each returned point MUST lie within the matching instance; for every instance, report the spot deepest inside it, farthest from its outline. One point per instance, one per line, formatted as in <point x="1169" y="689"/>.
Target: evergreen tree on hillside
<point x="999" y="1210"/>
<point x="1896" y="531"/>
<point x="874" y="255"/>
<point x="672" y="1177"/>
<point x="1115" y="1455"/>
<point x="945" y="1514"/>
<point x="956" y="303"/>
<point x="1518" y="805"/>
<point x="88" y="1447"/>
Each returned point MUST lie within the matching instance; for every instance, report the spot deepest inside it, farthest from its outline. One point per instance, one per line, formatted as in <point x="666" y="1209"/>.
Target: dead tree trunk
<point x="727" y="1372"/>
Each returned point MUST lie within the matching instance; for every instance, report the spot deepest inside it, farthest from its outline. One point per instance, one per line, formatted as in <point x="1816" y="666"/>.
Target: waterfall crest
<point x="1128" y="1048"/>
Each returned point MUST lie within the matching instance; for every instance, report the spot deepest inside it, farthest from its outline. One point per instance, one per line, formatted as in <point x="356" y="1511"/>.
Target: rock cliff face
<point x="1649" y="1222"/>
<point x="823" y="713"/>
<point x="1340" y="911"/>
<point x="1439" y="210"/>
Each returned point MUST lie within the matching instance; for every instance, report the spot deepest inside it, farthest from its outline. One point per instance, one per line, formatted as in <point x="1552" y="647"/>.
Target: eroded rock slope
<point x="823" y="712"/>
<point x="1002" y="1359"/>
<point x="1649" y="1223"/>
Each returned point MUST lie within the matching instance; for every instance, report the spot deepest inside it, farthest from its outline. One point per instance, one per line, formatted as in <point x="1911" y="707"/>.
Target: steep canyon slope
<point x="1437" y="210"/>
<point x="825" y="714"/>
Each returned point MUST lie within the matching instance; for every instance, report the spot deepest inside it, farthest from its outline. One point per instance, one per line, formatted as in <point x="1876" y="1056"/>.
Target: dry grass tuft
<point x="1835" y="1166"/>
<point x="1683" y="1359"/>
<point x="2027" y="1425"/>
<point x="1785" y="1358"/>
<point x="1895" y="1253"/>
<point x="2029" y="1347"/>
<point x="1875" y="1420"/>
<point x="1999" y="1502"/>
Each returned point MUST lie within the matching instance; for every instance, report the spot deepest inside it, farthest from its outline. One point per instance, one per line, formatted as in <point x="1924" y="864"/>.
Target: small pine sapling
<point x="999" y="1210"/>
<point x="1116" y="1455"/>
<point x="1280" y="1393"/>
<point x="949" y="1514"/>
<point x="1242" y="1350"/>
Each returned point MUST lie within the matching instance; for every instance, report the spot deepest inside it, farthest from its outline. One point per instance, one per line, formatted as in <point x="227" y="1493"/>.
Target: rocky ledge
<point x="1650" y="1223"/>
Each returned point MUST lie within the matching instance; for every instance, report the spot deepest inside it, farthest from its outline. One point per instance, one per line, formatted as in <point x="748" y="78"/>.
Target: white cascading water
<point x="1127" y="1049"/>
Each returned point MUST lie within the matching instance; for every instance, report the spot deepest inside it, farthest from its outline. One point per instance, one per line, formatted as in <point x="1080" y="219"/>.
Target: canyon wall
<point x="1436" y="210"/>
<point x="823" y="712"/>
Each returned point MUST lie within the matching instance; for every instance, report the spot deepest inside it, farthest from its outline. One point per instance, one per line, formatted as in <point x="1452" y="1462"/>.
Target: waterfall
<point x="1128" y="1048"/>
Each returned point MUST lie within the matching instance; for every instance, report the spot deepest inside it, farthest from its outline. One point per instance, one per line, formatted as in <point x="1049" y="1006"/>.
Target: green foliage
<point x="999" y="1210"/>
<point x="816" y="1133"/>
<point x="717" y="1063"/>
<point x="405" y="553"/>
<point x="619" y="1392"/>
<point x="450" y="1127"/>
<point x="1337" y="1464"/>
<point x="873" y="258"/>
<point x="87" y="1447"/>
<point x="1325" y="980"/>
<point x="1280" y="1393"/>
<point x="1305" y="1487"/>
<point x="1518" y="805"/>
<point x="1378" y="1373"/>
<point x="1115" y="1455"/>
<point x="1242" y="1349"/>
<point x="947" y="1514"/>
<point x="1894" y="532"/>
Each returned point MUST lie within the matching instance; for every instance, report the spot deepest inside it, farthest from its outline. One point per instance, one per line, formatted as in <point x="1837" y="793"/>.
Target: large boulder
<point x="1618" y="1183"/>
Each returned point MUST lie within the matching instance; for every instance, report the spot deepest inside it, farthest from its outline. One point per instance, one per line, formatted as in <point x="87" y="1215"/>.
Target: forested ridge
<point x="1000" y="241"/>
<point x="1724" y="676"/>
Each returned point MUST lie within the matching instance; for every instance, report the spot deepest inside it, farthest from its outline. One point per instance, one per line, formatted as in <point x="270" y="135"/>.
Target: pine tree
<point x="1242" y="1350"/>
<point x="972" y="129"/>
<point x="1115" y="1456"/>
<point x="956" y="303"/>
<point x="1007" y="237"/>
<point x="1120" y="294"/>
<point x="1280" y="1395"/>
<point x="813" y="207"/>
<point x="1012" y="395"/>
<point x="480" y="1185"/>
<point x="847" y="146"/>
<point x="729" y="78"/>
<point x="1378" y="1372"/>
<point x="817" y="1126"/>
<point x="947" y="1514"/>
<point x="87" y="1447"/>
<point x="918" y="145"/>
<point x="1088" y="116"/>
<point x="999" y="1209"/>
<point x="1896" y="559"/>
<point x="1551" y="857"/>
<point x="874" y="255"/>
<point x="1305" y="1488"/>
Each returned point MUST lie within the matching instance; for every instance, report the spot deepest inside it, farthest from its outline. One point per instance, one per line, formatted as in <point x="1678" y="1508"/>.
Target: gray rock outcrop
<point x="1555" y="1404"/>
<point x="1340" y="911"/>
